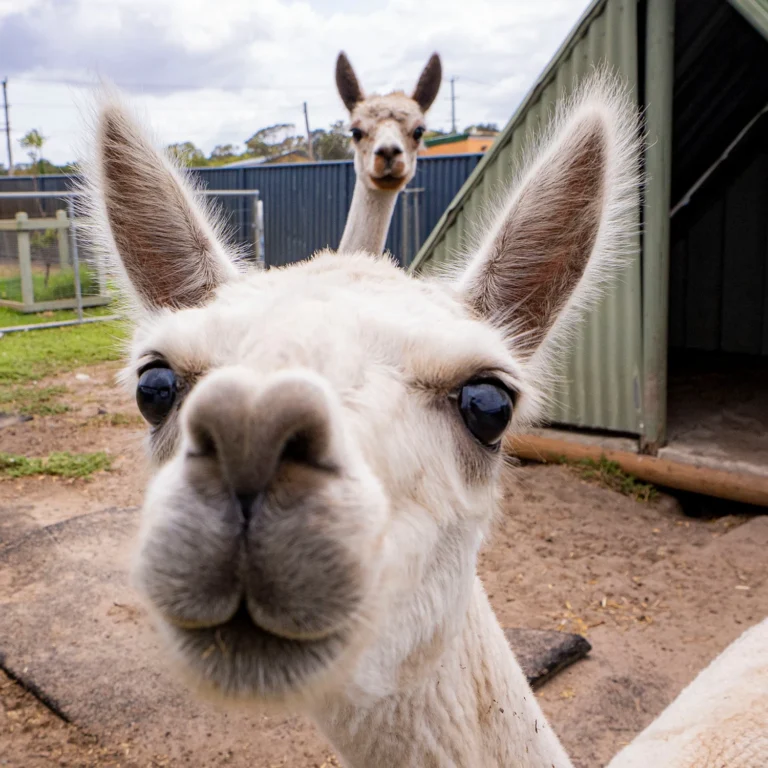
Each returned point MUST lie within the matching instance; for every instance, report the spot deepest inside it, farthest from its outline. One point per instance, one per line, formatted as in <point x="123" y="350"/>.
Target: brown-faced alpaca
<point x="386" y="131"/>
<point x="326" y="440"/>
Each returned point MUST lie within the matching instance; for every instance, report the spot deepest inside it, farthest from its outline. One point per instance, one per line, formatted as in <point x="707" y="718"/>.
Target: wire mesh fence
<point x="46" y="267"/>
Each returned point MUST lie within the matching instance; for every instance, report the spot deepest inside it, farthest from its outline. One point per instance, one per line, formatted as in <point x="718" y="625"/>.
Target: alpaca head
<point x="387" y="130"/>
<point x="326" y="437"/>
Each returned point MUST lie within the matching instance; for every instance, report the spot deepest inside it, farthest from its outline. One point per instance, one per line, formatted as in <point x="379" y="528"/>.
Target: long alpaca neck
<point x="368" y="220"/>
<point x="473" y="708"/>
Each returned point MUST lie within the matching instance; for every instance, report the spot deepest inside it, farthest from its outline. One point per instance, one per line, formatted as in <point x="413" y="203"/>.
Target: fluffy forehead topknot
<point x="332" y="314"/>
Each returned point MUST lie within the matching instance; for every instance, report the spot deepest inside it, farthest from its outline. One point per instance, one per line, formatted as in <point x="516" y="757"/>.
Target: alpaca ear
<point x="147" y="216"/>
<point x="564" y="225"/>
<point x="346" y="82"/>
<point x="429" y="83"/>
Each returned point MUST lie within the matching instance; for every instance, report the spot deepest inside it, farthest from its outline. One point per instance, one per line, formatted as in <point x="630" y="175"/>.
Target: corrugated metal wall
<point x="600" y="385"/>
<point x="306" y="205"/>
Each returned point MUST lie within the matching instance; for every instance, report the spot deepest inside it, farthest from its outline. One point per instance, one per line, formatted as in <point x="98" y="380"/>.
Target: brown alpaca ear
<point x="159" y="236"/>
<point x="346" y="82"/>
<point x="558" y="236"/>
<point x="429" y="83"/>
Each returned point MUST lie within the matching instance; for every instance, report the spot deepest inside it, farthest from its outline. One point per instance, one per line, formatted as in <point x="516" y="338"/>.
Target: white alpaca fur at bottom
<point x="719" y="721"/>
<point x="325" y="441"/>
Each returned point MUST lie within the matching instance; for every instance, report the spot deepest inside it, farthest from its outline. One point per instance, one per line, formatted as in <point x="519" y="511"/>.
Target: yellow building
<point x="457" y="144"/>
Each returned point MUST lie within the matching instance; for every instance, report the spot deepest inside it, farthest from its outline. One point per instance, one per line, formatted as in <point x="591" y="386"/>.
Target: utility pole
<point x="309" y="135"/>
<point x="453" y="106"/>
<point x="7" y="126"/>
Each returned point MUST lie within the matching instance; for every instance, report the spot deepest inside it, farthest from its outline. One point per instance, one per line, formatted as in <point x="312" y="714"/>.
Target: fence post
<point x="62" y="238"/>
<point x="25" y="260"/>
<point x="404" y="245"/>
<point x="75" y="259"/>
<point x="258" y="229"/>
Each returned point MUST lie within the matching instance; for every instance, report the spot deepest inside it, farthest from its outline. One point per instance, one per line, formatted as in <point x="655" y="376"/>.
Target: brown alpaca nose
<point x="249" y="430"/>
<point x="388" y="152"/>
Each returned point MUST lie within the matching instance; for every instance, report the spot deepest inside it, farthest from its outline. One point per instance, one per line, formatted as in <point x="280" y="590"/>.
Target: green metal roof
<point x="436" y="141"/>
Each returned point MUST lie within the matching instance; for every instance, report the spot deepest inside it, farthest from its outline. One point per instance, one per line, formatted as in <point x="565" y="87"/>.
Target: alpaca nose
<point x="249" y="430"/>
<point x="389" y="152"/>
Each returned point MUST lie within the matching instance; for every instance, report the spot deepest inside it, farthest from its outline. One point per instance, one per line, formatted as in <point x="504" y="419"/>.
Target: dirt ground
<point x="658" y="594"/>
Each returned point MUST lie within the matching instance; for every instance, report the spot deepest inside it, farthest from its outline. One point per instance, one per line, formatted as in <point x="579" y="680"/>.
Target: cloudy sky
<point x="214" y="71"/>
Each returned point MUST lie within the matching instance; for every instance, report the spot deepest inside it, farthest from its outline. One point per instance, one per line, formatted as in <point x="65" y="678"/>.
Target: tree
<point x="273" y="140"/>
<point x="224" y="152"/>
<point x="33" y="142"/>
<point x="187" y="154"/>
<point x="334" y="144"/>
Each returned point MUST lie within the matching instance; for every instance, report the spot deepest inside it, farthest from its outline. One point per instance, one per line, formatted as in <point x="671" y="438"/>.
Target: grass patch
<point x="60" y="464"/>
<point x="31" y="355"/>
<point x="60" y="284"/>
<point x="118" y="420"/>
<point x="34" y="401"/>
<point x="611" y="475"/>
<point x="9" y="317"/>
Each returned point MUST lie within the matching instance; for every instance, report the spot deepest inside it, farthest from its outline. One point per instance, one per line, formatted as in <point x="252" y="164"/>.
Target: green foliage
<point x="60" y="464"/>
<point x="34" y="401"/>
<point x="57" y="285"/>
<point x="32" y="355"/>
<point x="44" y="238"/>
<point x="10" y="317"/>
<point x="611" y="475"/>
<point x="332" y="145"/>
<point x="187" y="154"/>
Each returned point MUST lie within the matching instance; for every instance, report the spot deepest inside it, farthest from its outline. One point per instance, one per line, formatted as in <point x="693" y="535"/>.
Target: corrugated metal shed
<point x="306" y="204"/>
<point x="600" y="380"/>
<point x="697" y="69"/>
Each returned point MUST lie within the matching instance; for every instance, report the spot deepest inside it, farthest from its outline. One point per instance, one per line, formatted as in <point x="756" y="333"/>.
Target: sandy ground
<point x="657" y="594"/>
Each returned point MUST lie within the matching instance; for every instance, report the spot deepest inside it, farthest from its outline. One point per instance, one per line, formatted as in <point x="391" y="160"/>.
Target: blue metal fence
<point x="306" y="204"/>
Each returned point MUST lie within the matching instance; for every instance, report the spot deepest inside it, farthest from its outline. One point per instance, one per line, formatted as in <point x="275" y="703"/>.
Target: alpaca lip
<point x="388" y="182"/>
<point x="238" y="658"/>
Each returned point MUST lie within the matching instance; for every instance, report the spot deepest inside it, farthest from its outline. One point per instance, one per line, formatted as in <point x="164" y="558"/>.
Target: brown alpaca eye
<point x="486" y="407"/>
<point x="418" y="133"/>
<point x="357" y="134"/>
<point x="156" y="393"/>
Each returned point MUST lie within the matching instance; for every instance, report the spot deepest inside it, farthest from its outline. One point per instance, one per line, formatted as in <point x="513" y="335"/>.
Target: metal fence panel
<point x="305" y="205"/>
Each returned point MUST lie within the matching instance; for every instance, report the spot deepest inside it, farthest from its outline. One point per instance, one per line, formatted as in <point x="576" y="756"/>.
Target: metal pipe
<point x="659" y="72"/>
<point x="67" y="195"/>
<point x="58" y="324"/>
<point x="75" y="258"/>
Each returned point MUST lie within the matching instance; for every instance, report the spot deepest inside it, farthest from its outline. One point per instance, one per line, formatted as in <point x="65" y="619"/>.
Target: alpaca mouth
<point x="239" y="659"/>
<point x="388" y="182"/>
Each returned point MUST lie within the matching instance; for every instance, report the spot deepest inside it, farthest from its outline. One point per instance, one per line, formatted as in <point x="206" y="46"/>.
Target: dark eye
<point x="486" y="408"/>
<point x="357" y="134"/>
<point x="156" y="393"/>
<point x="418" y="133"/>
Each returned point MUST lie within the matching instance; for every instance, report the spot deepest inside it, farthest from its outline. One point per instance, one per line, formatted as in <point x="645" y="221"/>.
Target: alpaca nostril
<point x="389" y="152"/>
<point x="246" y="502"/>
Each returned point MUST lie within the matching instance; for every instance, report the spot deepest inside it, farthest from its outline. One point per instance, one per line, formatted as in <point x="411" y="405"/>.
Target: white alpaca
<point x="386" y="131"/>
<point x="326" y="444"/>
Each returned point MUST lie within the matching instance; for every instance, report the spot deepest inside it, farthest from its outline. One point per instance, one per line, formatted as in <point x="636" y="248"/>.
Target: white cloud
<point x="214" y="72"/>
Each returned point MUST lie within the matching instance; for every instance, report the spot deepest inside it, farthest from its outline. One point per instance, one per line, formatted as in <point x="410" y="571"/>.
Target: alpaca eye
<point x="156" y="393"/>
<point x="418" y="133"/>
<point x="357" y="134"/>
<point x="486" y="407"/>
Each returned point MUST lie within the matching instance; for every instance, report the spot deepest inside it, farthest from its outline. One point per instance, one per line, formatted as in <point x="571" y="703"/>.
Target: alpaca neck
<point x="474" y="707"/>
<point x="368" y="220"/>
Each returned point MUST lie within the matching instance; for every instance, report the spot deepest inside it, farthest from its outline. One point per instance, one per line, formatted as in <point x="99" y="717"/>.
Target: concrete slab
<point x="72" y="631"/>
